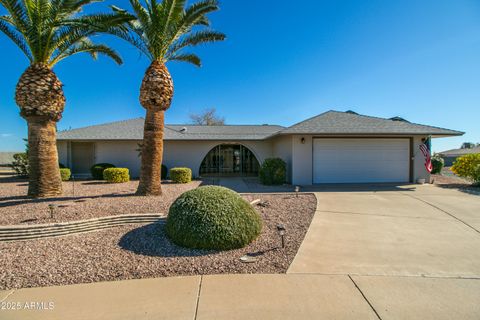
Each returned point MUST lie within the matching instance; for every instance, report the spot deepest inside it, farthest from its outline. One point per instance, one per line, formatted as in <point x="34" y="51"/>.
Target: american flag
<point x="426" y="154"/>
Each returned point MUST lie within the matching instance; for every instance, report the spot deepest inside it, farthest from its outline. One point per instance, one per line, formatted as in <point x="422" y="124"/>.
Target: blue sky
<point x="284" y="62"/>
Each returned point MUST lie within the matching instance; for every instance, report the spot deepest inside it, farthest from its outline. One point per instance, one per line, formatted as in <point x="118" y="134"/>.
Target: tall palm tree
<point x="48" y="31"/>
<point x="161" y="31"/>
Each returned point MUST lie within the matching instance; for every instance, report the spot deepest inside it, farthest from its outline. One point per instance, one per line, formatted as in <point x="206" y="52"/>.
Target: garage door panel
<point x="360" y="160"/>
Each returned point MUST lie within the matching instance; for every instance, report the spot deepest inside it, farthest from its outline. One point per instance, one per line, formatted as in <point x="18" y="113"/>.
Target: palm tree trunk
<point x="44" y="172"/>
<point x="152" y="154"/>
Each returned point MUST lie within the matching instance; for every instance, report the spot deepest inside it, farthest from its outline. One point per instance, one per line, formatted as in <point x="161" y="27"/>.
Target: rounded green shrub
<point x="164" y="172"/>
<point x="116" y="175"/>
<point x="97" y="170"/>
<point x="212" y="217"/>
<point x="181" y="175"/>
<point x="468" y="166"/>
<point x="273" y="171"/>
<point x="437" y="164"/>
<point x="65" y="173"/>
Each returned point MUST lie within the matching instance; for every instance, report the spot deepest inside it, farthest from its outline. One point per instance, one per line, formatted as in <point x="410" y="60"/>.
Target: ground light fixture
<point x="281" y="232"/>
<point x="297" y="190"/>
<point x="51" y="207"/>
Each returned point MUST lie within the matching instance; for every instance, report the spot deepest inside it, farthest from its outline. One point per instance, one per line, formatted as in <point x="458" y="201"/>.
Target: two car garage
<point x="361" y="160"/>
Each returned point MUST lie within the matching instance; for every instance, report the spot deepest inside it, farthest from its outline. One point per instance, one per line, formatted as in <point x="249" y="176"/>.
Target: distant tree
<point x="468" y="145"/>
<point x="207" y="117"/>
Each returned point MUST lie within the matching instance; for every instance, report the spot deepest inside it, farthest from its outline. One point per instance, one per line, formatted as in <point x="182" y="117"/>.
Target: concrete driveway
<point x="413" y="252"/>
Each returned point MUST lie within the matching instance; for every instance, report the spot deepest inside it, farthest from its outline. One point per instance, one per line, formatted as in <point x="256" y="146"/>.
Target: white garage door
<point x="361" y="160"/>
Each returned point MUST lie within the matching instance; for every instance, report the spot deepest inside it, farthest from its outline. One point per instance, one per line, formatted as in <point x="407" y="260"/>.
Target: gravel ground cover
<point x="130" y="252"/>
<point x="448" y="179"/>
<point x="82" y="200"/>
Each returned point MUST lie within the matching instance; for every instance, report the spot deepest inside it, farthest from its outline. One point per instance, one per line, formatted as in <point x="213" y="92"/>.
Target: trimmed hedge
<point x="273" y="171"/>
<point x="437" y="164"/>
<point x="181" y="175"/>
<point x="65" y="173"/>
<point x="212" y="217"/>
<point x="468" y="166"/>
<point x="164" y="172"/>
<point x="97" y="170"/>
<point x="116" y="175"/>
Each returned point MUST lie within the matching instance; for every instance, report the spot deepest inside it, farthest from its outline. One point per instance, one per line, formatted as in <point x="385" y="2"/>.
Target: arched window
<point x="230" y="160"/>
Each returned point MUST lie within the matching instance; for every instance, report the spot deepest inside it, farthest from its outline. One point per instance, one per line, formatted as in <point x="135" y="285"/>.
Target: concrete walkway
<point x="402" y="253"/>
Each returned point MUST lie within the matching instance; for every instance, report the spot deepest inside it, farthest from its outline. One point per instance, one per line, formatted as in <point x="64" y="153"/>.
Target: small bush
<point x="468" y="166"/>
<point x="97" y="170"/>
<point x="164" y="172"/>
<point x="20" y="164"/>
<point x="212" y="217"/>
<point x="273" y="171"/>
<point x="65" y="173"/>
<point x="437" y="164"/>
<point x="181" y="175"/>
<point x="116" y="175"/>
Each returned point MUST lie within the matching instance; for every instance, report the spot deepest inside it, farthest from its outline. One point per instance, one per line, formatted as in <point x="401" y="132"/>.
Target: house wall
<point x="176" y="153"/>
<point x="282" y="148"/>
<point x="302" y="158"/>
<point x="191" y="153"/>
<point x="296" y="154"/>
<point x="419" y="169"/>
<point x="119" y="153"/>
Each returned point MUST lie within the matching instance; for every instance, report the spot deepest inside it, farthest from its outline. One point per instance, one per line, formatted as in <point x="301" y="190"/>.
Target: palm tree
<point x="48" y="31"/>
<point x="161" y="31"/>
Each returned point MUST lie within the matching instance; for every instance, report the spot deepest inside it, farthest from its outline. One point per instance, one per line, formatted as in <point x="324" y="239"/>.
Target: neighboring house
<point x="450" y="156"/>
<point x="6" y="158"/>
<point x="333" y="147"/>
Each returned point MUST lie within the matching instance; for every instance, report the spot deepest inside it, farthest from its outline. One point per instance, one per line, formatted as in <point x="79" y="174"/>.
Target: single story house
<point x="333" y="147"/>
<point x="450" y="156"/>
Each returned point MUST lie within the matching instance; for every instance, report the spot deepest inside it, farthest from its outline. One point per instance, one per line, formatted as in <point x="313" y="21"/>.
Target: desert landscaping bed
<point x="130" y="252"/>
<point x="449" y="180"/>
<point x="81" y="200"/>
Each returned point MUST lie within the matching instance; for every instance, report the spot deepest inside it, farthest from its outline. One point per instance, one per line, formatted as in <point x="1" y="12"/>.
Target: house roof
<point x="347" y="123"/>
<point x="133" y="130"/>
<point x="328" y="123"/>
<point x="459" y="152"/>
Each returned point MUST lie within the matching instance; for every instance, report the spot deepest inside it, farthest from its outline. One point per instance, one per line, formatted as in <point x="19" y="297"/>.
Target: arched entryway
<point x="229" y="160"/>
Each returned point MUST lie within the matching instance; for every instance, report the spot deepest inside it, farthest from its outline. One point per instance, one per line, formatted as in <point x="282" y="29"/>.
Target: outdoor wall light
<point x="51" y="207"/>
<point x="302" y="140"/>
<point x="281" y="232"/>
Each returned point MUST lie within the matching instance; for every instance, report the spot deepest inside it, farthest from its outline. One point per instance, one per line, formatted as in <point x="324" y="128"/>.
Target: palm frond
<point x="87" y="46"/>
<point x="186" y="57"/>
<point x="16" y="37"/>
<point x="163" y="27"/>
<point x="48" y="31"/>
<point x="194" y="39"/>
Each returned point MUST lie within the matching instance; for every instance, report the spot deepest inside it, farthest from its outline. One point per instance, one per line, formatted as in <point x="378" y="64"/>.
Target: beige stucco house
<point x="333" y="147"/>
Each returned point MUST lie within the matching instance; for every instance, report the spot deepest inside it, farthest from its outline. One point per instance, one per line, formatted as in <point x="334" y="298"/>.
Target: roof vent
<point x="183" y="130"/>
<point x="398" y="119"/>
<point x="351" y="112"/>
